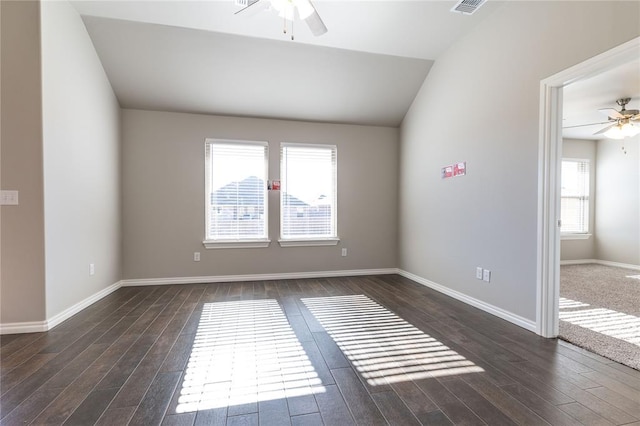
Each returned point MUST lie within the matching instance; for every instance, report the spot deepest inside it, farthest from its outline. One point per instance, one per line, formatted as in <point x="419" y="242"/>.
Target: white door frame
<point x="549" y="160"/>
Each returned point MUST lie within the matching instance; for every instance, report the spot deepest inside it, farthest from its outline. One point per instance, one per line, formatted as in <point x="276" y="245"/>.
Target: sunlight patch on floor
<point x="383" y="347"/>
<point x="245" y="352"/>
<point x="570" y="304"/>
<point x="606" y="321"/>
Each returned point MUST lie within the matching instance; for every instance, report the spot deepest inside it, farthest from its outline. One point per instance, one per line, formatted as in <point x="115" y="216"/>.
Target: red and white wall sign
<point x="453" y="170"/>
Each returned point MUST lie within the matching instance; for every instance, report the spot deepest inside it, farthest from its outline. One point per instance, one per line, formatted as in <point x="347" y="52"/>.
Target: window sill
<point x="222" y="244"/>
<point x="575" y="236"/>
<point x="309" y="242"/>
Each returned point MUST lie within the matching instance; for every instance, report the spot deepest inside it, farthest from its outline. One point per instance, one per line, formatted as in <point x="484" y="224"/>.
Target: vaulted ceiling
<point x="197" y="56"/>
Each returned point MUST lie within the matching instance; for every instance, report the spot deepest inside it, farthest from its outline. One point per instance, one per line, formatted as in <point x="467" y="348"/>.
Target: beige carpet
<point x="600" y="310"/>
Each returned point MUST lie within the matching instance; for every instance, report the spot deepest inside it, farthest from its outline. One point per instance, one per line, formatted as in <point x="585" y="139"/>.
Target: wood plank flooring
<point x="370" y="350"/>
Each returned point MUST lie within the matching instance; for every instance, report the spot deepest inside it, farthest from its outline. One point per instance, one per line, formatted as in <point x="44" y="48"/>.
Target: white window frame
<point x="312" y="240"/>
<point x="578" y="235"/>
<point x="221" y="243"/>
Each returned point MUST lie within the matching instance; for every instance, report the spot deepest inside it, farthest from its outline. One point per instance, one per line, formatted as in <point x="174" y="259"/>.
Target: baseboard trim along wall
<point x="23" y="327"/>
<point x="600" y="262"/>
<point x="256" y="277"/>
<point x="40" y="326"/>
<point x="484" y="306"/>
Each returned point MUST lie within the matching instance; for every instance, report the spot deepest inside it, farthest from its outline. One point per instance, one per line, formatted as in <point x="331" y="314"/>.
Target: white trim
<point x="69" y="312"/>
<point x="23" y="327"/>
<point x="309" y="242"/>
<point x="618" y="265"/>
<point x="220" y="244"/>
<point x="578" y="262"/>
<point x="549" y="153"/>
<point x="494" y="310"/>
<point x="574" y="236"/>
<point x="256" y="277"/>
<point x="600" y="262"/>
<point x="41" y="326"/>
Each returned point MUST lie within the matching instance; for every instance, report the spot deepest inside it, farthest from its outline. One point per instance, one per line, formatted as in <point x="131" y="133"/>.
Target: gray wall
<point x="163" y="196"/>
<point x="480" y="104"/>
<point x="81" y="139"/>
<point x="582" y="249"/>
<point x="23" y="276"/>
<point x="618" y="201"/>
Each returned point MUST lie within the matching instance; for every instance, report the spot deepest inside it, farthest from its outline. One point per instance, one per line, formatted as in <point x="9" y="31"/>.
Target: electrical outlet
<point x="479" y="272"/>
<point x="196" y="256"/>
<point x="344" y="252"/>
<point x="92" y="269"/>
<point x="8" y="198"/>
<point x="486" y="275"/>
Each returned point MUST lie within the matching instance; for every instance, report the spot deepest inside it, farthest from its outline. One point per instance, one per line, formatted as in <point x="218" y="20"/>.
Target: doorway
<point x="550" y="155"/>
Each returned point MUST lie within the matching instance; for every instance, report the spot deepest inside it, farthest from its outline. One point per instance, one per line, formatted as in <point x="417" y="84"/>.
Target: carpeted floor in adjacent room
<point x="600" y="310"/>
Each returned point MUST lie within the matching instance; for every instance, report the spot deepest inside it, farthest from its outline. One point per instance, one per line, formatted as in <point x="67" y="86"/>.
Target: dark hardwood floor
<point x="338" y="351"/>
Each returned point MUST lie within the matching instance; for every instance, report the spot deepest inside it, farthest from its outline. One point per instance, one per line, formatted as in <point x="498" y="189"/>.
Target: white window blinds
<point x="236" y="174"/>
<point x="574" y="202"/>
<point x="308" y="192"/>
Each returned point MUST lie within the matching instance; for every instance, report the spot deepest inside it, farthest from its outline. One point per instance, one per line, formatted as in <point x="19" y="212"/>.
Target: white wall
<point x="81" y="139"/>
<point x="618" y="201"/>
<point x="163" y="196"/>
<point x="22" y="274"/>
<point x="582" y="249"/>
<point x="480" y="104"/>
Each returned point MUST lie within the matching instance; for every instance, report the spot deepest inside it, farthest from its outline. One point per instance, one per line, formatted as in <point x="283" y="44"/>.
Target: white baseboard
<point x="255" y="277"/>
<point x="23" y="327"/>
<point x="68" y="313"/>
<point x="40" y="326"/>
<point x="578" y="262"/>
<point x="600" y="262"/>
<point x="494" y="310"/>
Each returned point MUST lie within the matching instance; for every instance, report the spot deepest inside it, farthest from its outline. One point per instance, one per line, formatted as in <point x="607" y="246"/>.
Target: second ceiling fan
<point x="623" y="121"/>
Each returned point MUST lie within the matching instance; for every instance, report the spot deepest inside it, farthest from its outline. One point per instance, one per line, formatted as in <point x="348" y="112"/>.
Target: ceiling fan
<point x="623" y="121"/>
<point x="621" y="124"/>
<point x="288" y="10"/>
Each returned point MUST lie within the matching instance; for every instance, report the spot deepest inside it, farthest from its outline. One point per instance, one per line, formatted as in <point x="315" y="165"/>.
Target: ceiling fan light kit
<point x="288" y="10"/>
<point x="623" y="121"/>
<point x="622" y="130"/>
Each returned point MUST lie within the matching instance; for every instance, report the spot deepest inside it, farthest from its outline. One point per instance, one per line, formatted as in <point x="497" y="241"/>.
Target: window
<point x="308" y="194"/>
<point x="235" y="192"/>
<point x="574" y="197"/>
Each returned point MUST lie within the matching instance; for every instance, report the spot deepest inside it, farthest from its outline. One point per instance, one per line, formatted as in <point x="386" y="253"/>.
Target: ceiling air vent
<point x="467" y="6"/>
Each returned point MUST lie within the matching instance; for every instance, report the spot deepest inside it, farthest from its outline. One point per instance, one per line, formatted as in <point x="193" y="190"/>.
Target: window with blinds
<point x="574" y="197"/>
<point x="308" y="193"/>
<point x="235" y="191"/>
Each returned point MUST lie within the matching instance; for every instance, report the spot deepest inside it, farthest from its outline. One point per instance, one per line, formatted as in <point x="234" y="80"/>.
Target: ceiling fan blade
<point x="605" y="129"/>
<point x="254" y="7"/>
<point x="315" y="23"/>
<point x="635" y="117"/>
<point x="586" y="125"/>
<point x="610" y="112"/>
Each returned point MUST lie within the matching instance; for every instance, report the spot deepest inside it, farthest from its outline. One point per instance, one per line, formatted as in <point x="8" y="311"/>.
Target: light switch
<point x="8" y="198"/>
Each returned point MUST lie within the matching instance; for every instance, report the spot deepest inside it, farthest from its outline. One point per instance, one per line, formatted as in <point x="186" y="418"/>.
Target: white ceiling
<point x="416" y="28"/>
<point x="197" y="56"/>
<point x="583" y="99"/>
